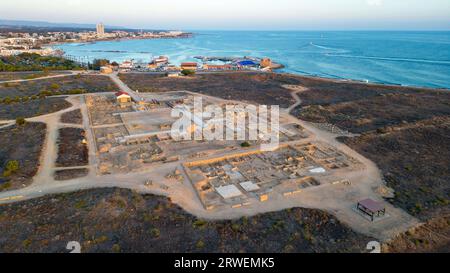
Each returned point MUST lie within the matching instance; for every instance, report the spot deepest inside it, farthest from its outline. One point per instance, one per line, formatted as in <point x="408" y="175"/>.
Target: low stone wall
<point x="222" y="158"/>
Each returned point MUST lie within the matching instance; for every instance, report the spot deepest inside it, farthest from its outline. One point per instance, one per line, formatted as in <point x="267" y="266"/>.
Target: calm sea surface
<point x="407" y="58"/>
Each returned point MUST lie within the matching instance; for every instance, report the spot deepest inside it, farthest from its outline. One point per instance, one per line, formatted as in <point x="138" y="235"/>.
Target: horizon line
<point x="114" y="26"/>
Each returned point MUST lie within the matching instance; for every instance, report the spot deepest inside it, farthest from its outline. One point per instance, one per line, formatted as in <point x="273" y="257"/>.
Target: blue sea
<point x="405" y="58"/>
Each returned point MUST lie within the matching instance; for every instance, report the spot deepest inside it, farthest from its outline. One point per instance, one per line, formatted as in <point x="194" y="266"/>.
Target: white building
<point x="100" y="29"/>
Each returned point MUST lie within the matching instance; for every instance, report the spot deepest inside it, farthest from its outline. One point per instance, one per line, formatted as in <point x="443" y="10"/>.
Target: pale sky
<point x="239" y="14"/>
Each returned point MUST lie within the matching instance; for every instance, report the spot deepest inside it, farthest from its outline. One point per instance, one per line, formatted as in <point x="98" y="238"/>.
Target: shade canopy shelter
<point x="371" y="208"/>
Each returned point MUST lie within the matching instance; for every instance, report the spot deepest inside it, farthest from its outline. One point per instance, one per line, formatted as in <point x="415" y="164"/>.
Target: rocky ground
<point x="119" y="220"/>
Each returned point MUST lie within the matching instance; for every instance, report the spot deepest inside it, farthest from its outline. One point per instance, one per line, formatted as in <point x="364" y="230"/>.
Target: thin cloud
<point x="374" y="3"/>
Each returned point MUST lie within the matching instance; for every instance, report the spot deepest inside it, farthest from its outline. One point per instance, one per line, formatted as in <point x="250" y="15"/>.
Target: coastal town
<point x="40" y="42"/>
<point x="16" y="43"/>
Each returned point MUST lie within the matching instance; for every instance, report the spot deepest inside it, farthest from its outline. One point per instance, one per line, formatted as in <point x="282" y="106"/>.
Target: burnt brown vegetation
<point x="21" y="145"/>
<point x="119" y="220"/>
<point x="255" y="88"/>
<point x="71" y="149"/>
<point x="61" y="175"/>
<point x="433" y="236"/>
<point x="72" y="117"/>
<point x="33" y="108"/>
<point x="415" y="160"/>
<point x="75" y="84"/>
<point x="361" y="107"/>
<point x="10" y="76"/>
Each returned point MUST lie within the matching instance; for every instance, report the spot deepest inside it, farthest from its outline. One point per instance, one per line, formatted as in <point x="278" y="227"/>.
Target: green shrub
<point x="235" y="227"/>
<point x="76" y="91"/>
<point x="81" y="204"/>
<point x="7" y="100"/>
<point x="44" y="93"/>
<point x="20" y="121"/>
<point x="199" y="224"/>
<point x="245" y="144"/>
<point x="97" y="63"/>
<point x="278" y="225"/>
<point x="121" y="203"/>
<point x="116" y="248"/>
<point x="418" y="208"/>
<point x="54" y="86"/>
<point x="155" y="232"/>
<point x="26" y="243"/>
<point x="5" y="186"/>
<point x="11" y="167"/>
<point x="187" y="72"/>
<point x="200" y="244"/>
<point x="101" y="239"/>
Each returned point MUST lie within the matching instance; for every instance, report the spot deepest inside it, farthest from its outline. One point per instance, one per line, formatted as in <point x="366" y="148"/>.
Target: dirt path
<point x="295" y="90"/>
<point x="124" y="87"/>
<point x="92" y="149"/>
<point x="7" y="123"/>
<point x="49" y="152"/>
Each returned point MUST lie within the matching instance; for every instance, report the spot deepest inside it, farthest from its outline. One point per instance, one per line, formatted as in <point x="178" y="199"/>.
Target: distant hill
<point x="43" y="24"/>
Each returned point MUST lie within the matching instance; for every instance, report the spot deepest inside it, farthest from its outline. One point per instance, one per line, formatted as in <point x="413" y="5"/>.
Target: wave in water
<point x="392" y="59"/>
<point x="332" y="49"/>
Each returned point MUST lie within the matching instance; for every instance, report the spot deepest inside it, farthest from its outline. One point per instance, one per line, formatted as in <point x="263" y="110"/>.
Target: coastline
<point x="289" y="68"/>
<point x="52" y="45"/>
<point x="116" y="39"/>
<point x="354" y="81"/>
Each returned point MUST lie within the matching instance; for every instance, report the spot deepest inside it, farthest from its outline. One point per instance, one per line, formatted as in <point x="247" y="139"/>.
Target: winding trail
<point x="296" y="89"/>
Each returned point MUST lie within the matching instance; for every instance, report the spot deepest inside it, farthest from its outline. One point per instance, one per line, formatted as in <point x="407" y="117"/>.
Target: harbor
<point x="162" y="64"/>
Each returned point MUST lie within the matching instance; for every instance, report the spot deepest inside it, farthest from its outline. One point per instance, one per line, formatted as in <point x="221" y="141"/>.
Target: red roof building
<point x="123" y="97"/>
<point x="192" y="66"/>
<point x="120" y="93"/>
